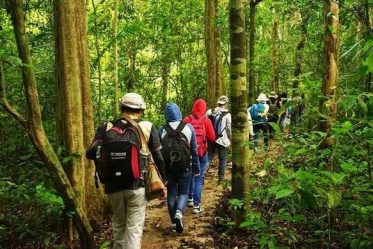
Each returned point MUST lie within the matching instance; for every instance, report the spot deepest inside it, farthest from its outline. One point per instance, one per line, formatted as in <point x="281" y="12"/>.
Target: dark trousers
<point x="264" y="128"/>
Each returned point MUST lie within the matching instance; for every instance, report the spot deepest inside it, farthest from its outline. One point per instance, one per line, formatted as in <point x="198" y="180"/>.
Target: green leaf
<point x="284" y="193"/>
<point x="348" y="167"/>
<point x="301" y="151"/>
<point x="363" y="106"/>
<point x="105" y="244"/>
<point x="334" y="198"/>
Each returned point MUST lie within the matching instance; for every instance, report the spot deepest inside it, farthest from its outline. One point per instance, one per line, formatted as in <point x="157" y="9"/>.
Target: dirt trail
<point x="157" y="231"/>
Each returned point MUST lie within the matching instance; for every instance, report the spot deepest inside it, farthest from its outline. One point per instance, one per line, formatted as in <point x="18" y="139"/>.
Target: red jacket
<point x="199" y="110"/>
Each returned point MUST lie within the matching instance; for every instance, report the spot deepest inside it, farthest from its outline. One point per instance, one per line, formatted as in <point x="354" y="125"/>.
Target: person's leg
<point x="222" y="151"/>
<point x="171" y="195"/>
<point x="136" y="207"/>
<point x="191" y="190"/>
<point x="183" y="180"/>
<point x="119" y="207"/>
<point x="210" y="155"/>
<point x="199" y="182"/>
<point x="265" y="130"/>
<point x="256" y="128"/>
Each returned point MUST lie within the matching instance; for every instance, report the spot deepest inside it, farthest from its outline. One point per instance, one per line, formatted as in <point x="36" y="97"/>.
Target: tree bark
<point x="240" y="153"/>
<point x="251" y="67"/>
<point x="76" y="102"/>
<point x="211" y="51"/>
<point x="34" y="128"/>
<point x="116" y="59"/>
<point x="299" y="54"/>
<point x="274" y="56"/>
<point x="327" y="104"/>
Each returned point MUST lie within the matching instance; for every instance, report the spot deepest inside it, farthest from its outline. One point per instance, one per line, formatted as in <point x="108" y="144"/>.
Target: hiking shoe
<point x="179" y="221"/>
<point x="190" y="203"/>
<point x="198" y="209"/>
<point x="173" y="227"/>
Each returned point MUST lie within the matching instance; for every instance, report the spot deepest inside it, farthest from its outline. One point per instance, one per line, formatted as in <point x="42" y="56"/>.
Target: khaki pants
<point x="128" y="220"/>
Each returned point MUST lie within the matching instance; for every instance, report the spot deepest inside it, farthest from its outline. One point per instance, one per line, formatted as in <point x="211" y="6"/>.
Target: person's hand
<point x="163" y="195"/>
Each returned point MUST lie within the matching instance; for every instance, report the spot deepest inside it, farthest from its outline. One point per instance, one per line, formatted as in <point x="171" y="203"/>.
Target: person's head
<point x="172" y="112"/>
<point x="262" y="98"/>
<point x="223" y="101"/>
<point x="273" y="97"/>
<point x="132" y="103"/>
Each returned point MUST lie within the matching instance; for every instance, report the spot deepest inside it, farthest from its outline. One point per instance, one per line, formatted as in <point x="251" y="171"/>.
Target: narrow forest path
<point x="198" y="229"/>
<point x="157" y="231"/>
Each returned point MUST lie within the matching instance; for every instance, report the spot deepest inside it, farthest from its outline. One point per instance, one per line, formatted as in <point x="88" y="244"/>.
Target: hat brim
<point x="222" y="102"/>
<point x="136" y="107"/>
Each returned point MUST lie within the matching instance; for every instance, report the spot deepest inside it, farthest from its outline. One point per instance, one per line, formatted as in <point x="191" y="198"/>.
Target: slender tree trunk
<point x="331" y="53"/>
<point x="165" y="74"/>
<point x="251" y="69"/>
<point x="369" y="31"/>
<point x="240" y="153"/>
<point x="99" y="71"/>
<point x="211" y="51"/>
<point x="274" y="56"/>
<point x="34" y="128"/>
<point x="221" y="86"/>
<point x="299" y="54"/>
<point x="131" y="75"/>
<point x="116" y="59"/>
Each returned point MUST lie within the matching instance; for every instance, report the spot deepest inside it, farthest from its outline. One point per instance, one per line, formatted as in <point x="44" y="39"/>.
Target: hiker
<point x="222" y="125"/>
<point x="286" y="114"/>
<point x="259" y="116"/>
<point x="126" y="191"/>
<point x="204" y="133"/>
<point x="273" y="117"/>
<point x="179" y="150"/>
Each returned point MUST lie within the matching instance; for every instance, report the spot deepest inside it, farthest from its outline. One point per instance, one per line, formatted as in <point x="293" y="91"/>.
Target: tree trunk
<point x="211" y="51"/>
<point x="116" y="59"/>
<point x="299" y="54"/>
<point x="76" y="102"/>
<point x="368" y="31"/>
<point x="165" y="74"/>
<point x="251" y="68"/>
<point x="331" y="53"/>
<point x="97" y="47"/>
<point x="240" y="154"/>
<point x="274" y="56"/>
<point x="34" y="128"/>
<point x="131" y="75"/>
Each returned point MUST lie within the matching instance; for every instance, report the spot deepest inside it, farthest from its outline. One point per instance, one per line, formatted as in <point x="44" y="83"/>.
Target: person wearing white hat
<point x="127" y="197"/>
<point x="222" y="120"/>
<point x="258" y="113"/>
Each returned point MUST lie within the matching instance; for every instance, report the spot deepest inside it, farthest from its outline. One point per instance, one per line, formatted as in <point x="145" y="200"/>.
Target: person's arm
<point x="97" y="140"/>
<point x="155" y="147"/>
<point x="210" y="133"/>
<point x="229" y="126"/>
<point x="194" y="153"/>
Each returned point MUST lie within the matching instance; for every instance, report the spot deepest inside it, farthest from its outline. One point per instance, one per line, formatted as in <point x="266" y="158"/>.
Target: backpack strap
<point x="168" y="128"/>
<point x="180" y="127"/>
<point x="144" y="145"/>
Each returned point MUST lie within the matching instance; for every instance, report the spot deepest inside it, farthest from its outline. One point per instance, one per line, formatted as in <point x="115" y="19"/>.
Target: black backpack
<point x="118" y="157"/>
<point x="217" y="121"/>
<point x="175" y="149"/>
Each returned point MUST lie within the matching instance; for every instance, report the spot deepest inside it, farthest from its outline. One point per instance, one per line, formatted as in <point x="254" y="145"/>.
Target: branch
<point x="4" y="102"/>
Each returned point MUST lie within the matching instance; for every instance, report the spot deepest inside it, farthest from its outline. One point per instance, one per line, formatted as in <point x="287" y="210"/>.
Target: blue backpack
<point x="255" y="111"/>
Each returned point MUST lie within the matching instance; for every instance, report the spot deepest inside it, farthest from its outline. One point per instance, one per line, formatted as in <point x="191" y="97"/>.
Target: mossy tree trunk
<point x="240" y="153"/>
<point x="75" y="107"/>
<point x="327" y="104"/>
<point x="34" y="128"/>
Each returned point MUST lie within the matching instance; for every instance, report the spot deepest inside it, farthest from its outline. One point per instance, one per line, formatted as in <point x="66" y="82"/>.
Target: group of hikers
<point x="272" y="110"/>
<point x="182" y="149"/>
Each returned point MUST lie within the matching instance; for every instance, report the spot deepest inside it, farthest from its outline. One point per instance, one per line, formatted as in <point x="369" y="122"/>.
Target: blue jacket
<point x="173" y="118"/>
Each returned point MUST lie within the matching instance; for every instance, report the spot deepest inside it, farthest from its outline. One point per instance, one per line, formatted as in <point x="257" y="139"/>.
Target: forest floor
<point x="199" y="230"/>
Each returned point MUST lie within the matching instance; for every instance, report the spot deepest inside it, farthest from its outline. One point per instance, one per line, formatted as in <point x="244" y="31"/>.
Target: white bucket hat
<point x="262" y="98"/>
<point x="222" y="100"/>
<point x="133" y="100"/>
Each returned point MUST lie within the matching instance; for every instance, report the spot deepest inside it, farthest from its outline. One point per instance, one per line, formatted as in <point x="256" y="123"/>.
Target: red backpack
<point x="200" y="131"/>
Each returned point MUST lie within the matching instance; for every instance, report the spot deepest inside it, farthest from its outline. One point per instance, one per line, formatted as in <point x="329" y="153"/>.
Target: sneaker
<point x="198" y="209"/>
<point x="173" y="227"/>
<point x="179" y="221"/>
<point x="190" y="203"/>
